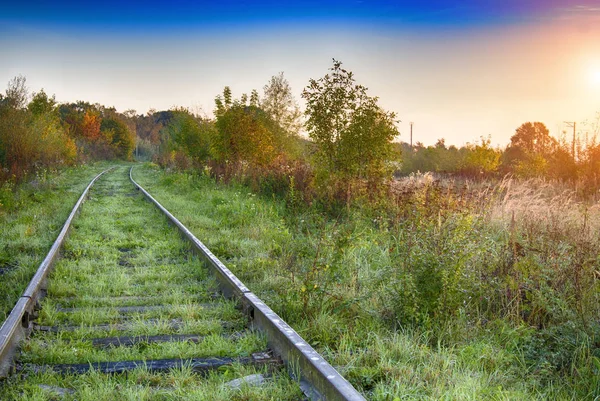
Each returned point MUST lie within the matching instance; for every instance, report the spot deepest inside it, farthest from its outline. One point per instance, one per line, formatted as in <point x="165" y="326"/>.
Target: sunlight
<point x="595" y="77"/>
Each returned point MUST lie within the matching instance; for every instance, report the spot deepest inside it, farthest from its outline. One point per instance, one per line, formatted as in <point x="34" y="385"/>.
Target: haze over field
<point x="459" y="70"/>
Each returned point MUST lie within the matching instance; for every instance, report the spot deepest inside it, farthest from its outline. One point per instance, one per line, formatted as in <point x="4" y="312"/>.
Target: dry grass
<point x="549" y="205"/>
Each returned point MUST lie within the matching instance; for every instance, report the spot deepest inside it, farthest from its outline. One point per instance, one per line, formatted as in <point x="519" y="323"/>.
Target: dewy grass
<point x="49" y="350"/>
<point x="30" y="222"/>
<point x="142" y="385"/>
<point x="51" y="316"/>
<point x="400" y="308"/>
<point x="122" y="252"/>
<point x="150" y="327"/>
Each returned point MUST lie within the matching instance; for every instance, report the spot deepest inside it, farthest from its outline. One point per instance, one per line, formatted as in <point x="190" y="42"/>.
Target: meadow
<point x="447" y="290"/>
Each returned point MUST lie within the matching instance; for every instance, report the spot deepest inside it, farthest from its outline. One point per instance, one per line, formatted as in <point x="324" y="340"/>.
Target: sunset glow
<point x="595" y="77"/>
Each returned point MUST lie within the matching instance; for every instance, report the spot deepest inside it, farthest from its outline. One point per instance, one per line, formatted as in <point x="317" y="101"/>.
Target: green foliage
<point x="42" y="104"/>
<point x="121" y="139"/>
<point x="31" y="136"/>
<point x="279" y="103"/>
<point x="224" y="102"/>
<point x="351" y="132"/>
<point x="244" y="135"/>
<point x="31" y="212"/>
<point x="435" y="295"/>
<point x="530" y="150"/>
<point x="482" y="158"/>
<point x="191" y="135"/>
<point x="437" y="158"/>
<point x="533" y="138"/>
<point x="17" y="93"/>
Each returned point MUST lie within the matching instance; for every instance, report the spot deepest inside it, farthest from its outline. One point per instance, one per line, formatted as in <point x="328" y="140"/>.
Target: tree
<point x="17" y="93"/>
<point x="41" y="103"/>
<point x="481" y="158"/>
<point x="530" y="149"/>
<point x="120" y="137"/>
<point x="224" y="102"/>
<point x="533" y="138"/>
<point x="254" y="100"/>
<point x="279" y="103"/>
<point x="31" y="136"/>
<point x="352" y="133"/>
<point x="246" y="133"/>
<point x="90" y="125"/>
<point x="189" y="135"/>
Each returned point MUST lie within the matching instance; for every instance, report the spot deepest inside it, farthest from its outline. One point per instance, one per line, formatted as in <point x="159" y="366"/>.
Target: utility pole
<point x="411" y="126"/>
<point x="572" y="124"/>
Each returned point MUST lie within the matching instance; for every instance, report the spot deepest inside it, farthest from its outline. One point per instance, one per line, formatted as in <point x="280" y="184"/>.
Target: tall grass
<point x="435" y="293"/>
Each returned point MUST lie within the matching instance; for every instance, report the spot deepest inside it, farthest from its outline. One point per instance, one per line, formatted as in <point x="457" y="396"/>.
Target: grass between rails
<point x="179" y="384"/>
<point x="122" y="251"/>
<point x="31" y="216"/>
<point x="447" y="299"/>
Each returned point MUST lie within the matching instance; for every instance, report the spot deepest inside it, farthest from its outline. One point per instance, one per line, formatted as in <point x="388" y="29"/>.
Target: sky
<point x="459" y="70"/>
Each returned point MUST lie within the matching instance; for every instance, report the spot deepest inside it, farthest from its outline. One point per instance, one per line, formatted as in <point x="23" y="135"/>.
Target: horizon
<point x="458" y="71"/>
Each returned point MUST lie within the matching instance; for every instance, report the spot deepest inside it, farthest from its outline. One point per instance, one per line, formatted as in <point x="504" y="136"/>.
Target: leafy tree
<point x="481" y="157"/>
<point x="562" y="166"/>
<point x="17" y="93"/>
<point x="90" y="125"/>
<point x="246" y="133"/>
<point x="530" y="149"/>
<point x="190" y="135"/>
<point x="41" y="104"/>
<point x="224" y="102"/>
<point x="279" y="103"/>
<point x="53" y="145"/>
<point x="31" y="136"/>
<point x="254" y="100"/>
<point x="533" y="138"/>
<point x="352" y="133"/>
<point x="120" y="137"/>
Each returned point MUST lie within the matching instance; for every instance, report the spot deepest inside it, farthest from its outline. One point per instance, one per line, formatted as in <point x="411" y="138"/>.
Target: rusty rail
<point x="322" y="380"/>
<point x="19" y="322"/>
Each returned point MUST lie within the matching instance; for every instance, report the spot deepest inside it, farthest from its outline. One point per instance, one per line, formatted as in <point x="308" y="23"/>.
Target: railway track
<point x="131" y="310"/>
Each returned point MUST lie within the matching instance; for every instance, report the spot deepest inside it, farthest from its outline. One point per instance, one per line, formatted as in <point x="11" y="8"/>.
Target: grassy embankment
<point x="121" y="251"/>
<point x="487" y="293"/>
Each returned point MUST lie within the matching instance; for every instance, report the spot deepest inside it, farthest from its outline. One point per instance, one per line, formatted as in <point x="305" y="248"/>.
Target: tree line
<point x="349" y="149"/>
<point x="38" y="133"/>
<point x="257" y="139"/>
<point x="532" y="152"/>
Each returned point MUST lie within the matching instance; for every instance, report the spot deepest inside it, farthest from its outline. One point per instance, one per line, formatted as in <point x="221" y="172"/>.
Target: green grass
<point x="425" y="303"/>
<point x="31" y="216"/>
<point x="121" y="251"/>
<point x="142" y="385"/>
<point x="51" y="349"/>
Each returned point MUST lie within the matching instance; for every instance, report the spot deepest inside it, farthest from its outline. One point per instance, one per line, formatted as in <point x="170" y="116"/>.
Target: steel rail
<point x="324" y="381"/>
<point x="19" y="324"/>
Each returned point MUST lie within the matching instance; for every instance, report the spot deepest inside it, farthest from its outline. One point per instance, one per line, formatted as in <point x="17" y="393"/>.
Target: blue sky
<point x="196" y="14"/>
<point x="459" y="70"/>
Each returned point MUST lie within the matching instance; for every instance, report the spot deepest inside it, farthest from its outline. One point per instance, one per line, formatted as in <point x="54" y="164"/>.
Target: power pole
<point x="411" y="126"/>
<point x="572" y="124"/>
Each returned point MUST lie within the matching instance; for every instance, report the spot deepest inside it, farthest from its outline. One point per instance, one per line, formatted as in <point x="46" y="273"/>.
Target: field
<point x="451" y="290"/>
<point x="464" y="291"/>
